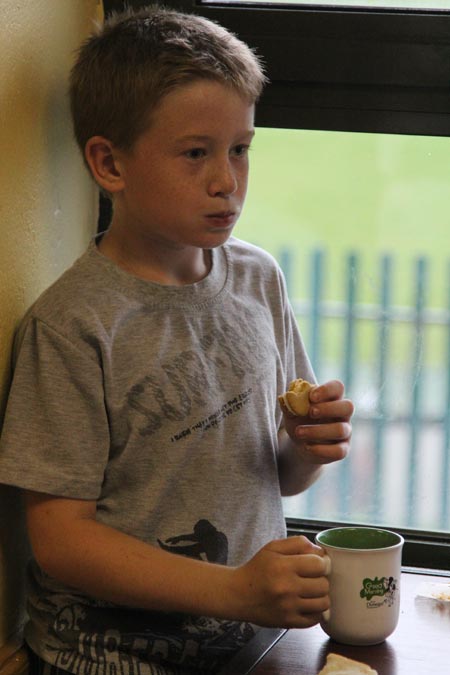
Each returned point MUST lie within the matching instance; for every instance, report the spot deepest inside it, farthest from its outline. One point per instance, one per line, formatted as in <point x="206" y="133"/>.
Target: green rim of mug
<point x="358" y="538"/>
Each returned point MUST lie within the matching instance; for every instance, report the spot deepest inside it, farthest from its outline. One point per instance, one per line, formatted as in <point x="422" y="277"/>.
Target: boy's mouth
<point x="221" y="214"/>
<point x="222" y="218"/>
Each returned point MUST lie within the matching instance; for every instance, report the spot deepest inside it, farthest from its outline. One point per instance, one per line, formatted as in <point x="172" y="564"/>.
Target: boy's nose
<point x="223" y="181"/>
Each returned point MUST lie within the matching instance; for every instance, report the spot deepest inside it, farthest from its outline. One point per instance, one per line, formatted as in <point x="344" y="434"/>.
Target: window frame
<point x="355" y="70"/>
<point x="346" y="69"/>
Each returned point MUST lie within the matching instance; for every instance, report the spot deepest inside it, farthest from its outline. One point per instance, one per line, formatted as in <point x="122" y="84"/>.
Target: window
<point x="350" y="226"/>
<point x="343" y="69"/>
<point x="357" y="115"/>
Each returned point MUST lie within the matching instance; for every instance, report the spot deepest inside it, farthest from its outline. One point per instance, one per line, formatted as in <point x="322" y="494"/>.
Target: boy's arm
<point x="306" y="443"/>
<point x="282" y="585"/>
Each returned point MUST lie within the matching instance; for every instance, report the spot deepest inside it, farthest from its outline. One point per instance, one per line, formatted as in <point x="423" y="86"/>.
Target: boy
<point x="146" y="378"/>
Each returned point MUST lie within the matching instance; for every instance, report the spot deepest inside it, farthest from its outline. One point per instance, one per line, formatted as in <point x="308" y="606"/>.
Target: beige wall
<point x="47" y="203"/>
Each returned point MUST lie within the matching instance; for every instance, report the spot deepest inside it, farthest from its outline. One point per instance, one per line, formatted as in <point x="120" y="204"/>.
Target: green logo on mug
<point x="384" y="587"/>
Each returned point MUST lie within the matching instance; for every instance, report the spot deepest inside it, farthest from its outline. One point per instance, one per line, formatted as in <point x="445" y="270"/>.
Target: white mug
<point x="364" y="575"/>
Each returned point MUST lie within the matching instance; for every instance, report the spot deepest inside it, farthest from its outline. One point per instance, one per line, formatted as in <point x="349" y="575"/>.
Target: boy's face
<point x="185" y="179"/>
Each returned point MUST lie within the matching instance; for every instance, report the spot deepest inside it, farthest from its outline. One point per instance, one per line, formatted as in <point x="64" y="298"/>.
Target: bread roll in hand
<point x="295" y="401"/>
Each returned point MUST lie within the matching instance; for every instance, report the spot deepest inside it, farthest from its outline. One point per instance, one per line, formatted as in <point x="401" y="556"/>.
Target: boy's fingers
<point x="331" y="432"/>
<point x="312" y="565"/>
<point x="329" y="391"/>
<point x="340" y="409"/>
<point x="294" y="546"/>
<point x="328" y="452"/>
<point x="306" y="559"/>
<point x="316" y="587"/>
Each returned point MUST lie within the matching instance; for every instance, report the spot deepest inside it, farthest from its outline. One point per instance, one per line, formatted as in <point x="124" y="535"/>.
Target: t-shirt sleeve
<point x="55" y="436"/>
<point x="294" y="360"/>
<point x="297" y="363"/>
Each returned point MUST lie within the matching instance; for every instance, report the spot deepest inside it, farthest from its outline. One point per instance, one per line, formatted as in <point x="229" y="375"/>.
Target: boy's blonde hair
<point x="137" y="57"/>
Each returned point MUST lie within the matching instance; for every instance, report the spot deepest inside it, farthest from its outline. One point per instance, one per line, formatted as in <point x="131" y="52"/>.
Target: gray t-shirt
<point x="160" y="403"/>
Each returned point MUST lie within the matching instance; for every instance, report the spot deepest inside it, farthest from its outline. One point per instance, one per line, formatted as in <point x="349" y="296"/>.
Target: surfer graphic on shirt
<point x="204" y="543"/>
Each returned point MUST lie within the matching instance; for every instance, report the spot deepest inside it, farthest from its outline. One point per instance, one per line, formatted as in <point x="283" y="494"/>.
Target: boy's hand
<point x="324" y="434"/>
<point x="284" y="585"/>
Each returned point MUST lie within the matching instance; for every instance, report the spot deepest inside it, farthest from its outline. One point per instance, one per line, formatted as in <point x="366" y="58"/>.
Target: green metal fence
<point x="424" y="386"/>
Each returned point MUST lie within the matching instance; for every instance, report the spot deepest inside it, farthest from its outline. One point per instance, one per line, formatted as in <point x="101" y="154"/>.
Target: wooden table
<point x="419" y="646"/>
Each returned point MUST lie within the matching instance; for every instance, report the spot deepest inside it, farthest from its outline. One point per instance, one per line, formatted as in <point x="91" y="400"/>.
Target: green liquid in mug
<point x="358" y="538"/>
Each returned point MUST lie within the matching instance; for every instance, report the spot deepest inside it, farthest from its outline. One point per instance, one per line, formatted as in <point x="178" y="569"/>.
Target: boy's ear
<point x="101" y="157"/>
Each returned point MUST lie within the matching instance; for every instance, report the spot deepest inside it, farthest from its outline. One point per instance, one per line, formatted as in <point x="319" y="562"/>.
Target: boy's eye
<point x="240" y="150"/>
<point x="195" y="153"/>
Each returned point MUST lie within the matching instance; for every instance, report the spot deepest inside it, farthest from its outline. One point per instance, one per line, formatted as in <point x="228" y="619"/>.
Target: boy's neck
<point x="152" y="262"/>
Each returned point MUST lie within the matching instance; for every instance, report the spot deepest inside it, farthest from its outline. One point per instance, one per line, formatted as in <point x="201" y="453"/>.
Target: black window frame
<point x="355" y="70"/>
<point x="346" y="69"/>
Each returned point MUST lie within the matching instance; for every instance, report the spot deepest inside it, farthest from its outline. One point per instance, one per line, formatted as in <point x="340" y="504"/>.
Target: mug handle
<point x="326" y="614"/>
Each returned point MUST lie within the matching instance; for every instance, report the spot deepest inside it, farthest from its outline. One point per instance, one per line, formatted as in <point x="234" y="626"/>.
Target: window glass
<point x="359" y="223"/>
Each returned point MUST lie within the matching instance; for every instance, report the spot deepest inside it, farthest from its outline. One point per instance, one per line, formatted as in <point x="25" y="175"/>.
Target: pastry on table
<point x="341" y="665"/>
